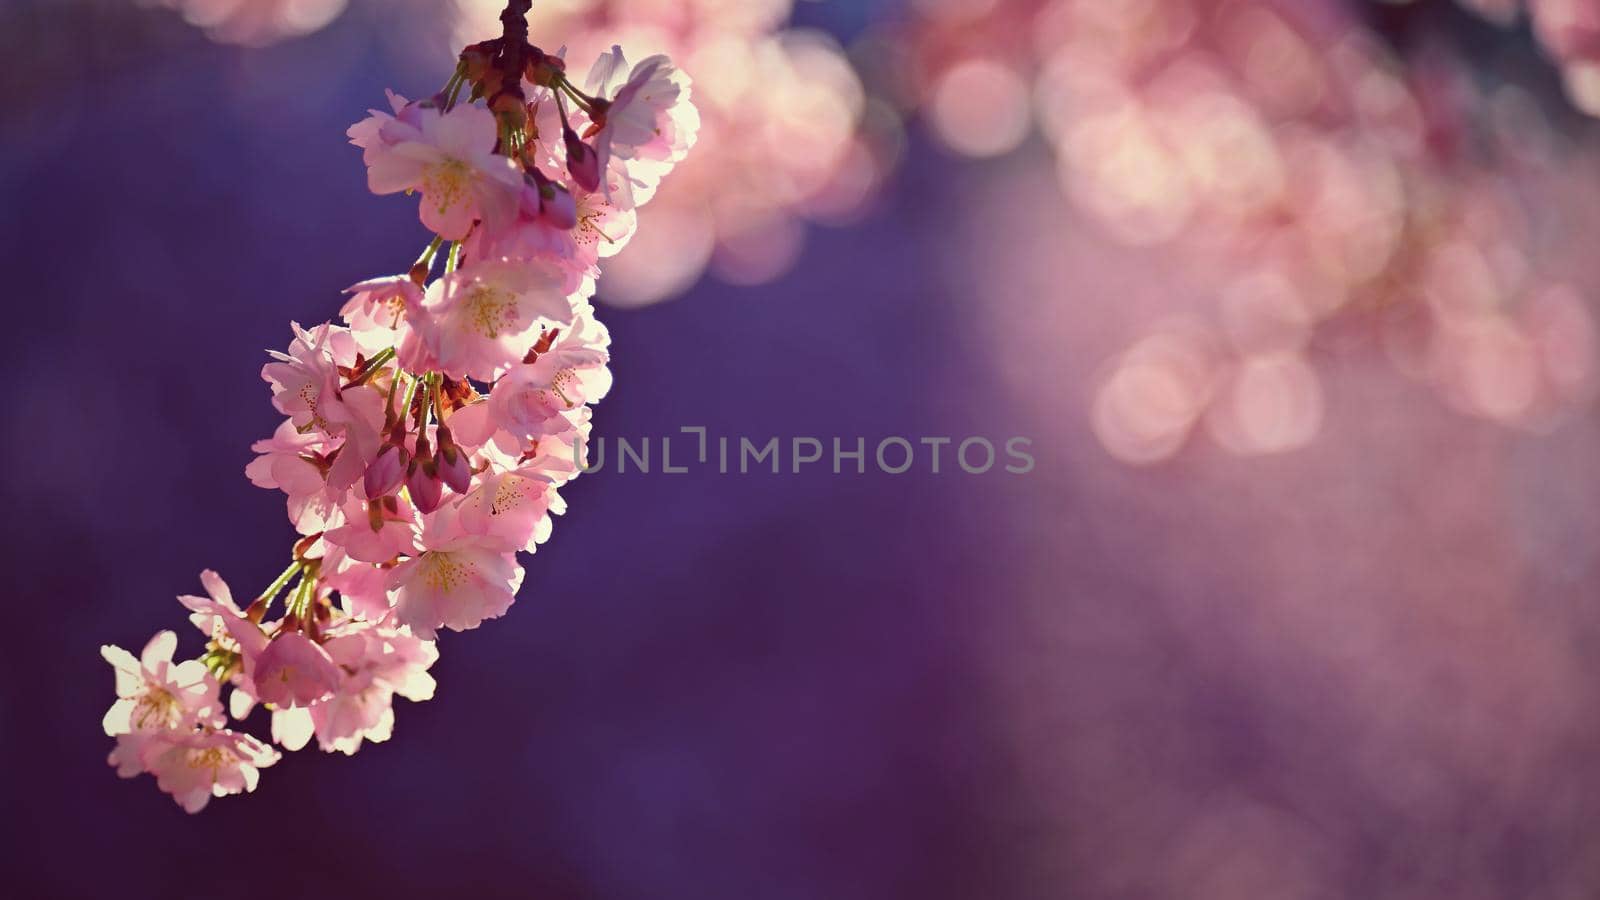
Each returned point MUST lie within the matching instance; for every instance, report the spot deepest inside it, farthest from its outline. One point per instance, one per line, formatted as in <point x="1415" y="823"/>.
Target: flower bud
<point x="422" y="480"/>
<point x="582" y="161"/>
<point x="453" y="468"/>
<point x="384" y="473"/>
<point x="451" y="461"/>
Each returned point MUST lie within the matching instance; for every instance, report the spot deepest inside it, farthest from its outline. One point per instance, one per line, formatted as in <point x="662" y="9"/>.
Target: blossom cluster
<point x="790" y="137"/>
<point x="427" y="434"/>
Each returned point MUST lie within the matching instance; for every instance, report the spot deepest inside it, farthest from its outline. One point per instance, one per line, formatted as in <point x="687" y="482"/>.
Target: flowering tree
<point x="1314" y="186"/>
<point x="426" y="437"/>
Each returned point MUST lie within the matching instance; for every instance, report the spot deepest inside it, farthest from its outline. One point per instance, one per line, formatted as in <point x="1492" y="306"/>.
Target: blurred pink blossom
<point x="255" y="22"/>
<point x="1308" y="181"/>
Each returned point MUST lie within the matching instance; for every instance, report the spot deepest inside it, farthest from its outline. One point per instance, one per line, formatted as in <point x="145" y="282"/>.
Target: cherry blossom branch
<point x="411" y="517"/>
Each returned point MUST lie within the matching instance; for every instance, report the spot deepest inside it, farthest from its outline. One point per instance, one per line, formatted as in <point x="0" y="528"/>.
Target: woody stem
<point x="514" y="49"/>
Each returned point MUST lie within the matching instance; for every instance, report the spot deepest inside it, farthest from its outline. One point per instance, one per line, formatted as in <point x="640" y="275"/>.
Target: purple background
<point x="1364" y="669"/>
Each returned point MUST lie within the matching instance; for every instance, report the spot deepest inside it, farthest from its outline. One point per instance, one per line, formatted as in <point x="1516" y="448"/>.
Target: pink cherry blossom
<point x="510" y="509"/>
<point x="381" y="130"/>
<point x="373" y="663"/>
<point x="532" y="236"/>
<point x="398" y="659"/>
<point x="578" y="227"/>
<point x="649" y="119"/>
<point x="292" y="670"/>
<point x="153" y="694"/>
<point x="210" y="614"/>
<point x="455" y="589"/>
<point x="379" y="310"/>
<point x="451" y="162"/>
<point x="194" y="766"/>
<point x="377" y="663"/>
<point x="483" y="318"/>
<point x="558" y="447"/>
<point x="295" y="463"/>
<point x="363" y="588"/>
<point x="592" y="225"/>
<point x="529" y="398"/>
<point x="459" y="580"/>
<point x="305" y="380"/>
<point x="376" y="531"/>
<point x="606" y="219"/>
<point x="308" y="386"/>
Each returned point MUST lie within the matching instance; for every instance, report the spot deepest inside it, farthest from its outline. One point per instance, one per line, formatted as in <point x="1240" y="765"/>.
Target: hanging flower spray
<point x="427" y="436"/>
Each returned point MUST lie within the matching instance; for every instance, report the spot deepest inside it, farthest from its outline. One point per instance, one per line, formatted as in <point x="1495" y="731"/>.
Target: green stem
<point x="460" y="79"/>
<point x="561" y="110"/>
<point x="257" y="610"/>
<point x="585" y="102"/>
<point x="426" y="259"/>
<point x="438" y="397"/>
<point x="388" y="401"/>
<point x="411" y="393"/>
<point x="272" y="590"/>
<point x="426" y="405"/>
<point x="300" y="604"/>
<point x="374" y="365"/>
<point x="452" y="88"/>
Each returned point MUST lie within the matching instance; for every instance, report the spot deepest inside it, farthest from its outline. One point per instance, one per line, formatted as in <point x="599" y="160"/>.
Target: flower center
<point x="397" y="310"/>
<point x="490" y="311"/>
<point x="446" y="182"/>
<point x="588" y="228"/>
<point x="312" y="398"/>
<point x="509" y="495"/>
<point x="443" y="572"/>
<point x="210" y="758"/>
<point x="563" y="380"/>
<point x="156" y="709"/>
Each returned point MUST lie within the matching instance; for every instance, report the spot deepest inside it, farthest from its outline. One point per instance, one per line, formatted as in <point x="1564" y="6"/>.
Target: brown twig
<point x="513" y="55"/>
